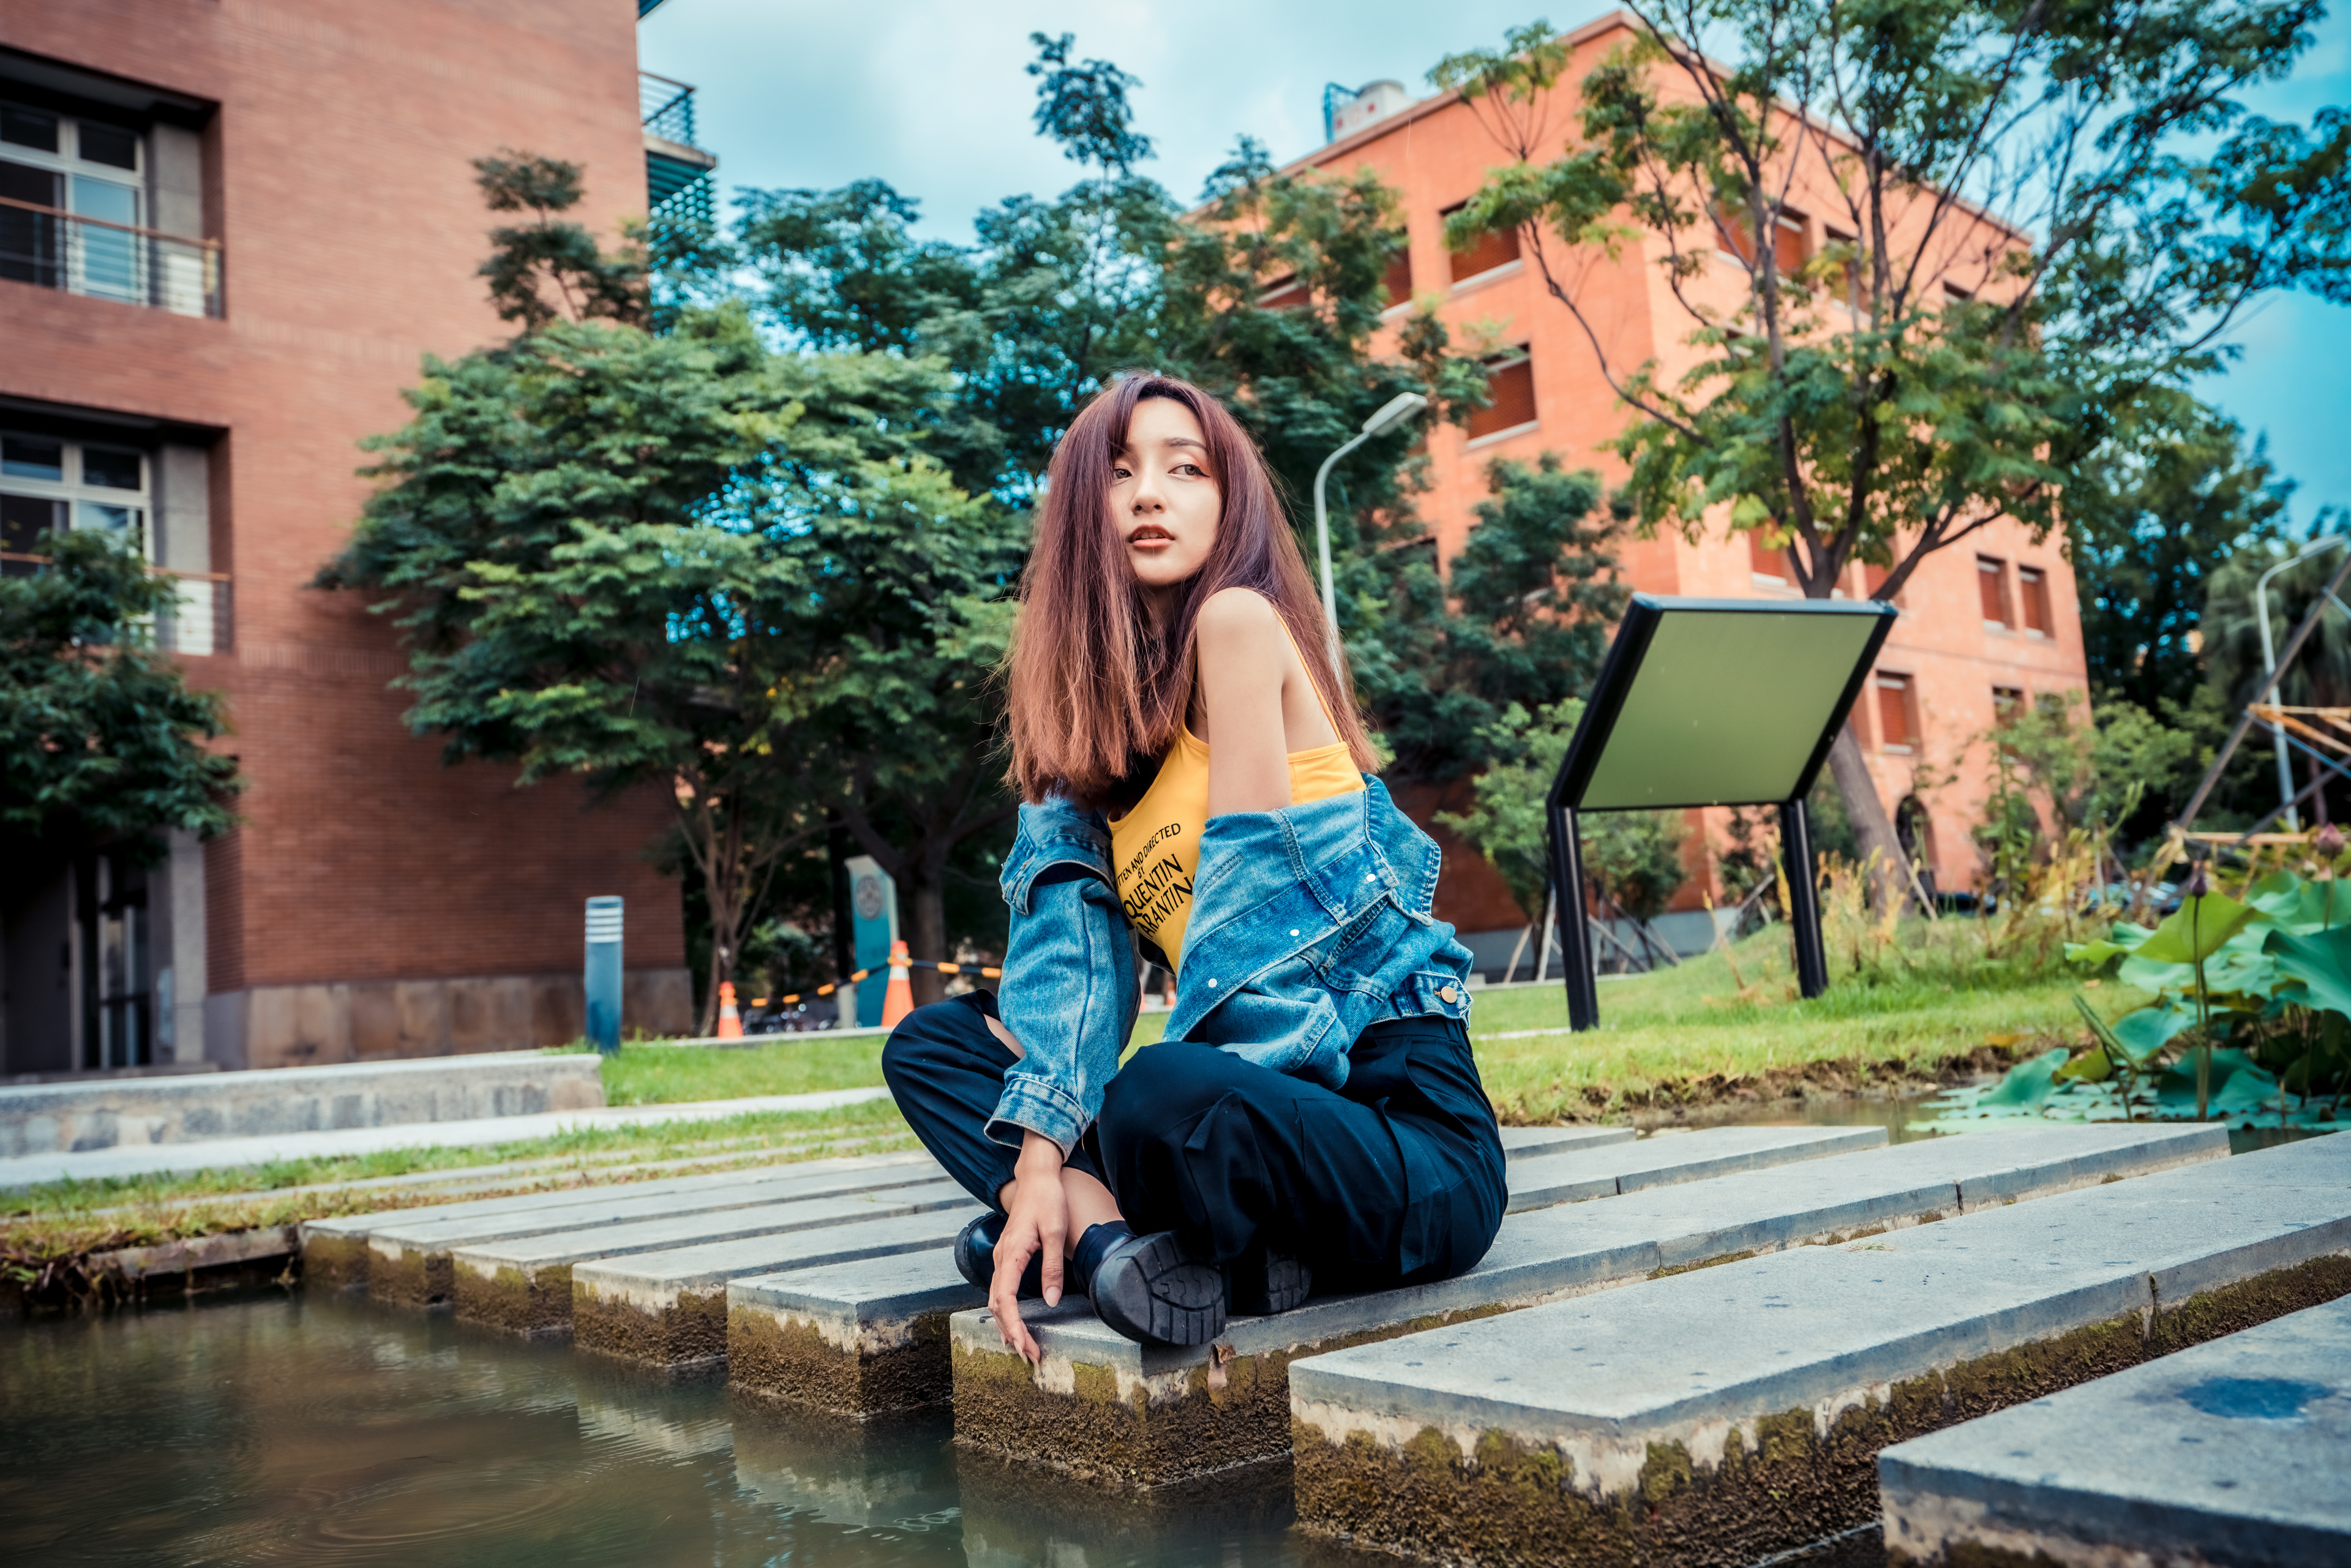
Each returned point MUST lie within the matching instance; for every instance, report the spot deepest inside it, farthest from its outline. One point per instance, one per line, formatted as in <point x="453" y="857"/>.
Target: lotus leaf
<point x="2028" y="1084"/>
<point x="2197" y="930"/>
<point x="2321" y="961"/>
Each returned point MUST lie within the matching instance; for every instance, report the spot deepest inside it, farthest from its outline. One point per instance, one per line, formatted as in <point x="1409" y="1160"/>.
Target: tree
<point x="2164" y="508"/>
<point x="104" y="741"/>
<point x="665" y="560"/>
<point x="2052" y="210"/>
<point x="530" y="262"/>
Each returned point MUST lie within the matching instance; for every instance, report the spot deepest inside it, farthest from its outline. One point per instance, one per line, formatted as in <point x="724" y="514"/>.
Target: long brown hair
<point x="1091" y="690"/>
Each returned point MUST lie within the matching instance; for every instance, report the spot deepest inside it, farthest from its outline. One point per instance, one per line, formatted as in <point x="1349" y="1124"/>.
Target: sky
<point x="932" y="96"/>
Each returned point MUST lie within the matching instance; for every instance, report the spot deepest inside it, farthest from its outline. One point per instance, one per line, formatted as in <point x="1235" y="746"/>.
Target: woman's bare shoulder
<point x="1238" y="616"/>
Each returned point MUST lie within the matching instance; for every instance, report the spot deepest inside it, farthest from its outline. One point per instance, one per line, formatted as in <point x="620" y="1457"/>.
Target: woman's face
<point x="1163" y="500"/>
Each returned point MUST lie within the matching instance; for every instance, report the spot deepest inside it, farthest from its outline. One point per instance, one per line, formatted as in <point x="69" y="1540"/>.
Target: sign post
<point x="874" y="911"/>
<point x="1711" y="702"/>
<point x="603" y="974"/>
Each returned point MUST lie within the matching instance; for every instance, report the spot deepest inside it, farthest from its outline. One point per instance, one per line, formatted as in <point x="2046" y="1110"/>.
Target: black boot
<point x="975" y="1257"/>
<point x="1147" y="1288"/>
<point x="1262" y="1281"/>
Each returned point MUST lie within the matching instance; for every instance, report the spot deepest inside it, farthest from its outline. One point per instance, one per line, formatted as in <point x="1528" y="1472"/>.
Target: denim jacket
<point x="1308" y="923"/>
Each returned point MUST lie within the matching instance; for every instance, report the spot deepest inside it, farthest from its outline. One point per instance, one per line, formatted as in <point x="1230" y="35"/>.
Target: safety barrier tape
<point x="987" y="972"/>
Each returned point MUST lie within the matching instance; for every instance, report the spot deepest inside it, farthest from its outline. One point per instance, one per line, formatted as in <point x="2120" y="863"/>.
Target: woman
<point x="1196" y="784"/>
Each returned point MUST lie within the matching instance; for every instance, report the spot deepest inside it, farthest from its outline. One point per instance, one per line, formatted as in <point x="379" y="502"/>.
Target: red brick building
<point x="1988" y="622"/>
<point x="229" y="232"/>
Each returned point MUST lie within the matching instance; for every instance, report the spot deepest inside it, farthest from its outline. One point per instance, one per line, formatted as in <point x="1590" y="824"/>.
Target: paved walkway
<point x="211" y="1154"/>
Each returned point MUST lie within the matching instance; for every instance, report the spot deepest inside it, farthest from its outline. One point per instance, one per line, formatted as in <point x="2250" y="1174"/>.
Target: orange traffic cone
<point x="730" y="1022"/>
<point x="899" y="999"/>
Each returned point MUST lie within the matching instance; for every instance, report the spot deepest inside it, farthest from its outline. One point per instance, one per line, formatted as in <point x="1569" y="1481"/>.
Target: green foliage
<point x="2151" y="518"/>
<point x="1630" y="857"/>
<point x="2249" y="1009"/>
<point x="530" y="262"/>
<point x="103" y="739"/>
<point x="691" y="563"/>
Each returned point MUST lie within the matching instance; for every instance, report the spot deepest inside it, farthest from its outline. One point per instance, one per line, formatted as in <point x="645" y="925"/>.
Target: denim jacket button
<point x="1448" y="996"/>
<point x="1212" y="985"/>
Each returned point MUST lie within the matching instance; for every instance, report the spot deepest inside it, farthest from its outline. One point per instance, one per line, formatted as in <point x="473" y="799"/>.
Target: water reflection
<point x="327" y="1430"/>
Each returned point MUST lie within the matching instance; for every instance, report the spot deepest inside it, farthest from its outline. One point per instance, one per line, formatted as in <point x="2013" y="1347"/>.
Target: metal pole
<point x="1322" y="545"/>
<point x="2245" y="720"/>
<point x="2269" y="664"/>
<point x="1574" y="940"/>
<point x="603" y="974"/>
<point x="1803" y="899"/>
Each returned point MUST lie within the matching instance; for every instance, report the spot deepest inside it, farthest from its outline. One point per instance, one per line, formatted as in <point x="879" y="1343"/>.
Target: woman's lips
<point x="1150" y="539"/>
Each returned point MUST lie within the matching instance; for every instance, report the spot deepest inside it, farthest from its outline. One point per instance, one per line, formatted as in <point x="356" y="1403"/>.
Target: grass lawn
<point x="1705" y="1030"/>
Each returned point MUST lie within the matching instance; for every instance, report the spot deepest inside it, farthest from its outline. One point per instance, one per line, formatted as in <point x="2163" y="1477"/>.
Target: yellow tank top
<point x="1155" y="848"/>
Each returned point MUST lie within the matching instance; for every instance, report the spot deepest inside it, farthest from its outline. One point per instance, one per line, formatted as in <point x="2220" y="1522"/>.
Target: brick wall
<point x="338" y="178"/>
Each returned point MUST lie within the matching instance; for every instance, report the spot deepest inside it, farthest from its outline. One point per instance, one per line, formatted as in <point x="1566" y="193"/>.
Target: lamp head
<point x="1401" y="407"/>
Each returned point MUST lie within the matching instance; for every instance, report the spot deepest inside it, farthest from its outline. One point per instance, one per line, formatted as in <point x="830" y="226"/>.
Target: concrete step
<point x="1728" y="1415"/>
<point x="670" y="1309"/>
<point x="1122" y="1413"/>
<point x="1586" y="1174"/>
<point x="336" y="1252"/>
<point x="1534" y="1142"/>
<point x="2234" y="1453"/>
<point x="102" y="1113"/>
<point x="525" y="1285"/>
<point x="871" y="1337"/>
<point x="411" y="1263"/>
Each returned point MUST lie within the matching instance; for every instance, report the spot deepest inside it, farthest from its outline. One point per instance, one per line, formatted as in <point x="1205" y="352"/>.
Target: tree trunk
<point x="926" y="913"/>
<point x="1871" y="825"/>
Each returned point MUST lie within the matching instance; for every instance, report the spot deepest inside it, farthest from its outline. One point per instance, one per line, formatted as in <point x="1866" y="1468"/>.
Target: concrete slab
<point x="857" y="1339"/>
<point x="408" y="1255"/>
<point x="2235" y="1454"/>
<point x="1726" y="1414"/>
<point x="1105" y="1408"/>
<point x="525" y="1285"/>
<point x="1534" y="1142"/>
<point x="219" y="1154"/>
<point x="1582" y="1175"/>
<point x="669" y="1309"/>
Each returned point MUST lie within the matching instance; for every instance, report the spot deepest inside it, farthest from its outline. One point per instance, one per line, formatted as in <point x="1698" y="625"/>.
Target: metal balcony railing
<point x="666" y="108"/>
<point x="57" y="249"/>
<point x="200" y="622"/>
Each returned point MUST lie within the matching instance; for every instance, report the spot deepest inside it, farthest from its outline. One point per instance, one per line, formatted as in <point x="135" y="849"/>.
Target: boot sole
<point x="1153" y="1292"/>
<point x="1287" y="1283"/>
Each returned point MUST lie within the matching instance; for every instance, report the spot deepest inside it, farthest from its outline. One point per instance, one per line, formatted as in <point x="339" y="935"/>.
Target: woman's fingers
<point x="1013" y="1250"/>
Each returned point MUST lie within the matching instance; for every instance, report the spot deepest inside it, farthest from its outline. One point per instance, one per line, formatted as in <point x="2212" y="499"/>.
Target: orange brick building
<point x="1984" y="623"/>
<point x="229" y="232"/>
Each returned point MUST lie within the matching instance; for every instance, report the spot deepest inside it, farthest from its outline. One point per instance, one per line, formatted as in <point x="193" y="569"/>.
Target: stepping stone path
<point x="2233" y="1453"/>
<point x="414" y="1243"/>
<point x="1725" y="1414"/>
<point x="1105" y="1408"/>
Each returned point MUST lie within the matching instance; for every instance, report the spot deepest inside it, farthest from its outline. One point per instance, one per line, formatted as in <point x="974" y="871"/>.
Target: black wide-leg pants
<point x="1395" y="1179"/>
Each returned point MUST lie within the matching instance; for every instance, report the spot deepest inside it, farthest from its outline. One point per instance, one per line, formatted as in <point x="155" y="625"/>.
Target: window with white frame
<point x="48" y="484"/>
<point x="72" y="203"/>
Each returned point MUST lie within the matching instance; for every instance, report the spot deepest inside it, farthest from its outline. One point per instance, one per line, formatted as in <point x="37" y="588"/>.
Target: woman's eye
<point x="1191" y="470"/>
<point x="1119" y="476"/>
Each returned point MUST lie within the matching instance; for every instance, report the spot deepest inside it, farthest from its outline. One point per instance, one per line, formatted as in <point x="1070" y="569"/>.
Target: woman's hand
<point x="1036" y="1221"/>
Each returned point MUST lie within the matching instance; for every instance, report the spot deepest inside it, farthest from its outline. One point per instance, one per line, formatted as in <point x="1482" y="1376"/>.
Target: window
<point x="1953" y="292"/>
<point x="1511" y="379"/>
<point x="2006" y="702"/>
<point x="1991" y="583"/>
<point x="1788" y="247"/>
<point x="48" y="484"/>
<point x="1897" y="714"/>
<point x="1398" y="282"/>
<point x="1284" y="293"/>
<point x="54" y="167"/>
<point x="1487" y="251"/>
<point x="1768" y="565"/>
<point x="2032" y="586"/>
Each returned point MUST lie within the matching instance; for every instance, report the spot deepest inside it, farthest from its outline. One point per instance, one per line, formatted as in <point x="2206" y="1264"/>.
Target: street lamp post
<point x="1401" y="406"/>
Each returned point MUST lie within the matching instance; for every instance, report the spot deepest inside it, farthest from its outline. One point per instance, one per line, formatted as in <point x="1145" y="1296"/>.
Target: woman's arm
<point x="1258" y="703"/>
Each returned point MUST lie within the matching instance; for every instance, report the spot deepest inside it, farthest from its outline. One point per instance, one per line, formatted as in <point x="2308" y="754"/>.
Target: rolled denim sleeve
<point x="1069" y="994"/>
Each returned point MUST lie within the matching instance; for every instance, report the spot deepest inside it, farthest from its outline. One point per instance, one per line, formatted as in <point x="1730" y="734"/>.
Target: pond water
<point x="323" y="1429"/>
